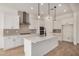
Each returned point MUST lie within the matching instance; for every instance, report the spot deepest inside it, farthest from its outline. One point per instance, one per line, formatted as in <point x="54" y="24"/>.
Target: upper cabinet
<point x="11" y="20"/>
<point x="1" y="19"/>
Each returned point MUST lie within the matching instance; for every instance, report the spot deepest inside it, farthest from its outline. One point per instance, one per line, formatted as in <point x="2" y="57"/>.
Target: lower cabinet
<point x="12" y="42"/>
<point x="18" y="41"/>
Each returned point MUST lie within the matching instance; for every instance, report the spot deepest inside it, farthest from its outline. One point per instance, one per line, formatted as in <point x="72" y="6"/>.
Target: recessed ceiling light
<point x="42" y="3"/>
<point x="64" y="10"/>
<point x="60" y="5"/>
<point x="31" y="8"/>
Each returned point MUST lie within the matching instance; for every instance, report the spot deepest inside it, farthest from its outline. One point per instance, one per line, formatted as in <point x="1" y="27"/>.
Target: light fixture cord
<point x="54" y="13"/>
<point x="38" y="9"/>
<point x="49" y="10"/>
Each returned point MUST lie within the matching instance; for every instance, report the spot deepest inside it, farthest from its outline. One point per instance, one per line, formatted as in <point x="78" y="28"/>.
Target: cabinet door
<point x="18" y="41"/>
<point x="68" y="33"/>
<point x="11" y="20"/>
<point x="12" y="42"/>
<point x="8" y="43"/>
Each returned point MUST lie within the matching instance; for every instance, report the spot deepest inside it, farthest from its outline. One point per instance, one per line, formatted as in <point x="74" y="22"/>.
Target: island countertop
<point x="37" y="38"/>
<point x="36" y="45"/>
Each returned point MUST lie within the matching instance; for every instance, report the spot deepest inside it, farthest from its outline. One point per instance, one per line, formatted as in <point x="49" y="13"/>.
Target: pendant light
<point x="54" y="16"/>
<point x="48" y="10"/>
<point x="54" y="13"/>
<point x="38" y="10"/>
<point x="54" y="9"/>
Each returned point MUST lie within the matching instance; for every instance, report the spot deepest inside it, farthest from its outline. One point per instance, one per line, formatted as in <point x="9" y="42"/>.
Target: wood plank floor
<point x="64" y="49"/>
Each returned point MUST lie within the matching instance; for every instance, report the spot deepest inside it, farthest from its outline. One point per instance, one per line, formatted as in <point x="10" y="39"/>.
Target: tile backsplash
<point x="9" y="32"/>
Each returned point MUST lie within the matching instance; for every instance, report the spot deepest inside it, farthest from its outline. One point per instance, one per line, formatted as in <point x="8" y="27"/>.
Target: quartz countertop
<point x="34" y="38"/>
<point x="37" y="38"/>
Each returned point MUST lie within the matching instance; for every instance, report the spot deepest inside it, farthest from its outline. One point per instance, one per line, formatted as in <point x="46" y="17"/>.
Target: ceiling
<point x="32" y="8"/>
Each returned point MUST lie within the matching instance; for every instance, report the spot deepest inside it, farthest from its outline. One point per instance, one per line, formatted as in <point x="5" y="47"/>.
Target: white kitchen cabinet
<point x="11" y="20"/>
<point x="12" y="42"/>
<point x="18" y="41"/>
<point x="39" y="46"/>
<point x="8" y="43"/>
<point x="68" y="33"/>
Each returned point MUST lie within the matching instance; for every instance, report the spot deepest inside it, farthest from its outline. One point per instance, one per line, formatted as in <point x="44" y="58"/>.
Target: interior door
<point x="68" y="33"/>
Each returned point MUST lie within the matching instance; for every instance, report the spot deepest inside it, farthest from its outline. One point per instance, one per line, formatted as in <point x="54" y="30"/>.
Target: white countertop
<point x="36" y="38"/>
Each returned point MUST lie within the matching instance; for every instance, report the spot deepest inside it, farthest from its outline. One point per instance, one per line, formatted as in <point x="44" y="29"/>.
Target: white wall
<point x="62" y="20"/>
<point x="32" y="22"/>
<point x="48" y="25"/>
<point x="71" y="18"/>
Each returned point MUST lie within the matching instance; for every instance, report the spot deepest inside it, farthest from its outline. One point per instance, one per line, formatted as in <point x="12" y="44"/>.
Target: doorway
<point x="67" y="33"/>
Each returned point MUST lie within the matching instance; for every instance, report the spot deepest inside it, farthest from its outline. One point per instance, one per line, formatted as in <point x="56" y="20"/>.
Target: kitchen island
<point x="39" y="46"/>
